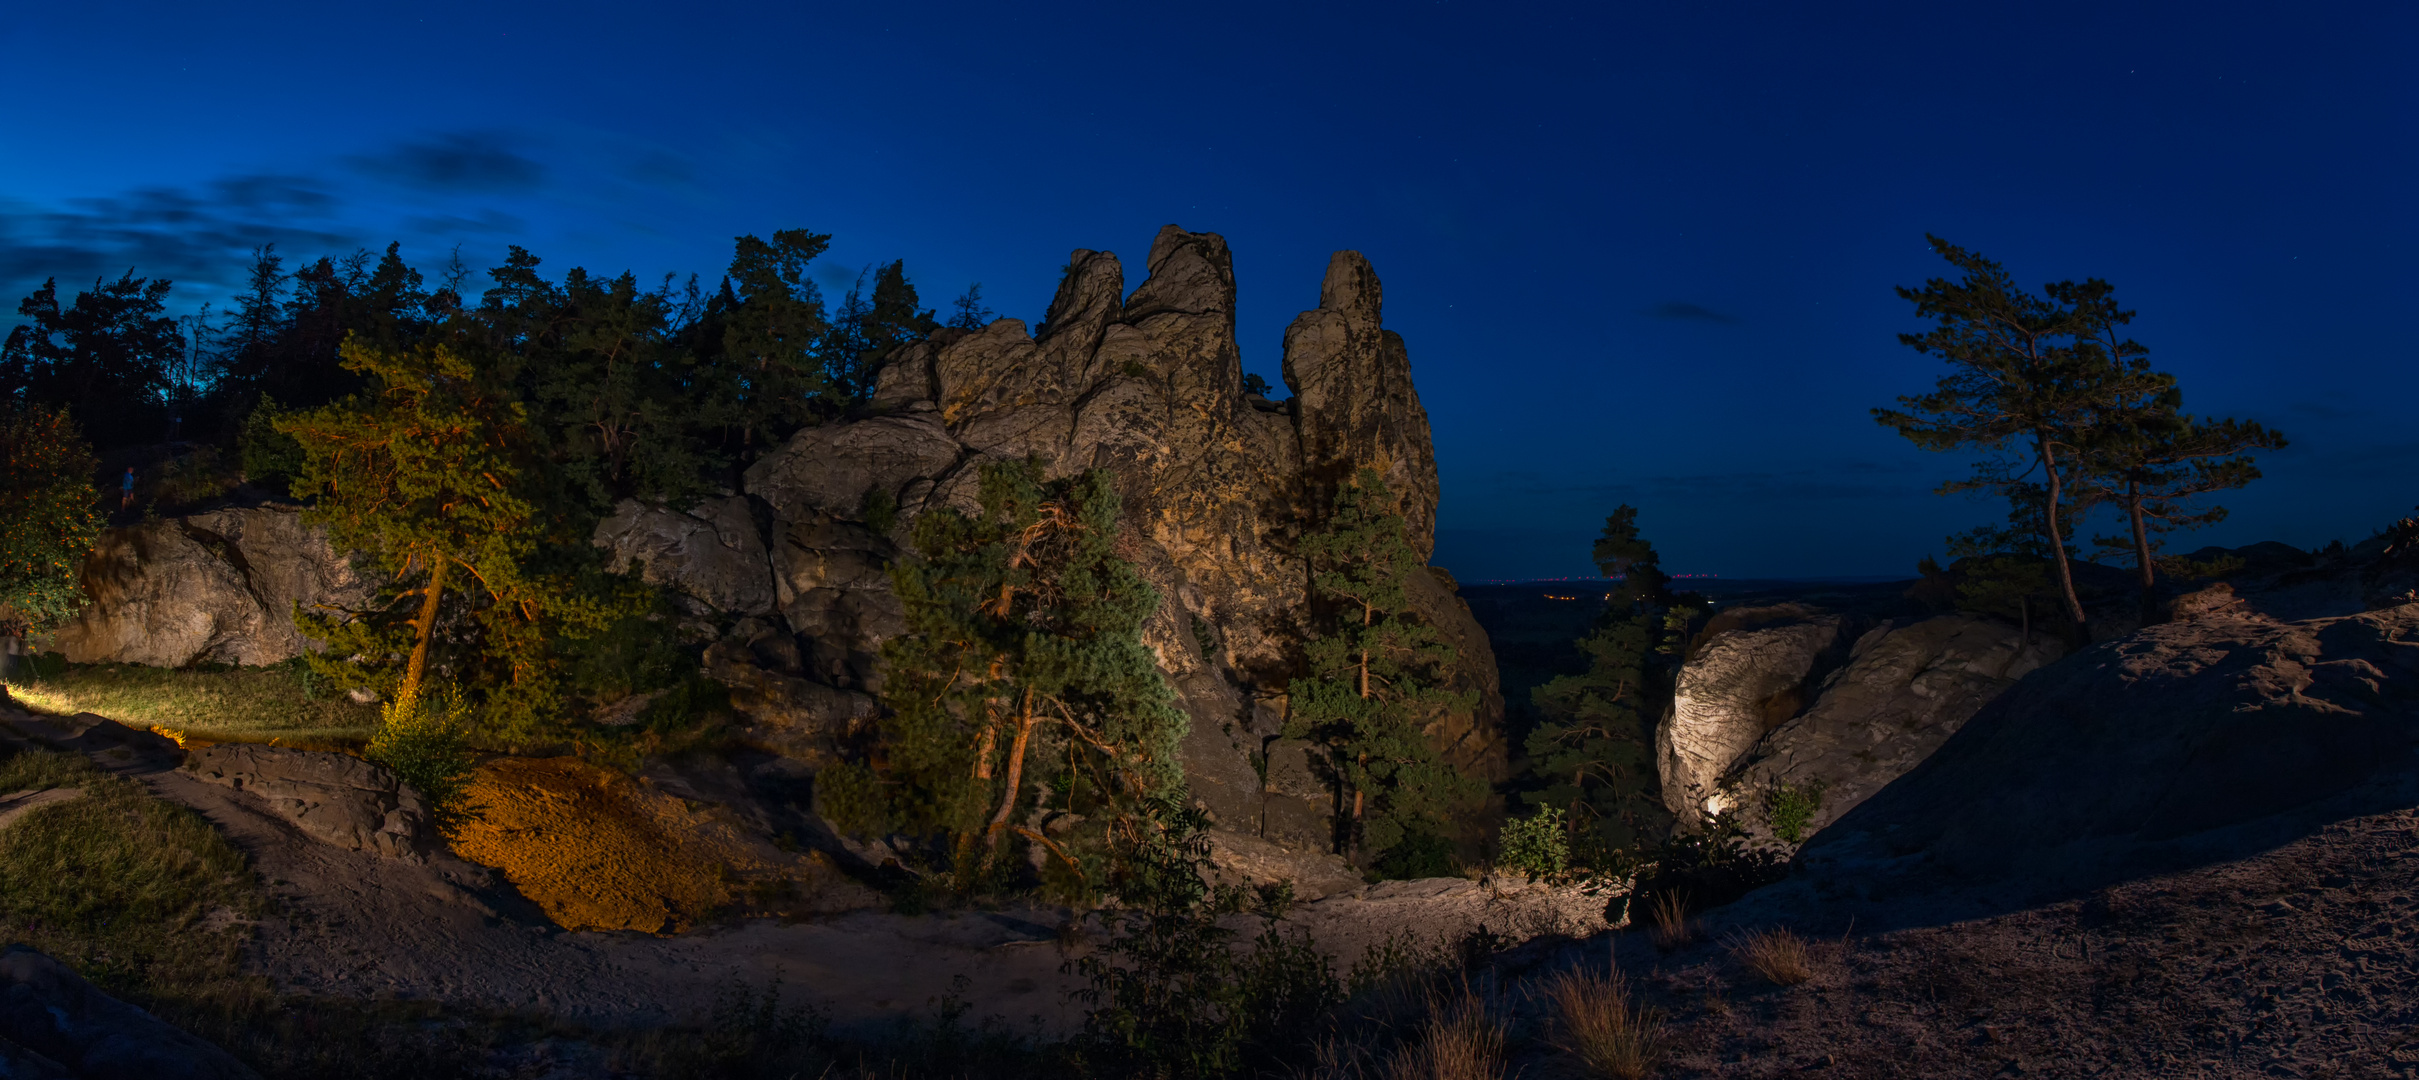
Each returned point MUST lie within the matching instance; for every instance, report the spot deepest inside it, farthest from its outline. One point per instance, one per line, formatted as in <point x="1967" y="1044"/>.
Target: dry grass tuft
<point x="1603" y="1027"/>
<point x="1668" y="921"/>
<point x="1777" y="955"/>
<point x="1461" y="1042"/>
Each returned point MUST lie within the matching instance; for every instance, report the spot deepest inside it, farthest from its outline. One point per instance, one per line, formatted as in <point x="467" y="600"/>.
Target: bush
<point x="430" y="750"/>
<point x="1170" y="995"/>
<point x="1789" y="808"/>
<point x="270" y="458"/>
<point x="1538" y="845"/>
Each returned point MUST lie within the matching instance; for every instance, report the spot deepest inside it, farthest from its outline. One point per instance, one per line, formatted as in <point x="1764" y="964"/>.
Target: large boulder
<point x="1748" y="673"/>
<point x="219" y="586"/>
<point x="52" y="1012"/>
<point x="1908" y="685"/>
<point x="2184" y="744"/>
<point x="334" y="798"/>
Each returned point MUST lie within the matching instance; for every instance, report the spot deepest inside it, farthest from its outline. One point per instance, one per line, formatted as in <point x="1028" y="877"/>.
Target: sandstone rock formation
<point x="334" y="798"/>
<point x="1217" y="485"/>
<point x="218" y="586"/>
<point x="1909" y="684"/>
<point x="2183" y="744"/>
<point x="1751" y="670"/>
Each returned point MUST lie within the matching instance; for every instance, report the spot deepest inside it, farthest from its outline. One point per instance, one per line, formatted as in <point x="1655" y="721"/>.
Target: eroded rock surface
<point x="2184" y="743"/>
<point x="1751" y="671"/>
<point x="1909" y="684"/>
<point x="218" y="586"/>
<point x="1216" y="488"/>
<point x="334" y="798"/>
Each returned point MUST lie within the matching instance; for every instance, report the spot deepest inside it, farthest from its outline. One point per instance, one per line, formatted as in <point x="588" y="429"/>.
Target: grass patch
<point x="1603" y="1027"/>
<point x="1778" y="955"/>
<point x="140" y="896"/>
<point x="278" y="703"/>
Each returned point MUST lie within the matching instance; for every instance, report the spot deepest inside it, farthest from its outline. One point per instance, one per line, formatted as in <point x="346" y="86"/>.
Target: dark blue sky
<point x="1641" y="252"/>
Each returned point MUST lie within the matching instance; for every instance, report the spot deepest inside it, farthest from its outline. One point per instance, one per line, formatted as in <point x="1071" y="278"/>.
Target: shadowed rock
<point x="2184" y="744"/>
<point x="51" y="1011"/>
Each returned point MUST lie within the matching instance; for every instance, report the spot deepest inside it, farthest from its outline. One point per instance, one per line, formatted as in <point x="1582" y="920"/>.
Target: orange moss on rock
<point x="598" y="850"/>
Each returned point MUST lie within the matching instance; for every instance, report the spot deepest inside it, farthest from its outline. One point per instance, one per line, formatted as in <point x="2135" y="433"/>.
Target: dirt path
<point x="353" y="924"/>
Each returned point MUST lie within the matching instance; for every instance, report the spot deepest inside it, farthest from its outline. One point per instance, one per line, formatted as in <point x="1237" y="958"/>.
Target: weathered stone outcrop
<point x="1216" y="488"/>
<point x="1751" y="671"/>
<point x="334" y="798"/>
<point x="1909" y="684"/>
<point x="714" y="553"/>
<point x="218" y="586"/>
<point x="2183" y="744"/>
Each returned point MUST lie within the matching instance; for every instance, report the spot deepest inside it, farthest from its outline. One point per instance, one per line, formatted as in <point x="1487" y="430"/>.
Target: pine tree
<point x="1020" y="685"/>
<point x="1595" y="749"/>
<point x="424" y="472"/>
<point x="1375" y="678"/>
<point x="106" y="357"/>
<point x="2031" y="378"/>
<point x="2157" y="463"/>
<point x="50" y="516"/>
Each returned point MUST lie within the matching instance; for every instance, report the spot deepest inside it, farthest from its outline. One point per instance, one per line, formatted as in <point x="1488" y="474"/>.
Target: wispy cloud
<point x="1683" y="311"/>
<point x="466" y="162"/>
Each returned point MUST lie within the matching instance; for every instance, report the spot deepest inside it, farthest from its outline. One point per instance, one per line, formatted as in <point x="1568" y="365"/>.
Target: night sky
<point x="1640" y="252"/>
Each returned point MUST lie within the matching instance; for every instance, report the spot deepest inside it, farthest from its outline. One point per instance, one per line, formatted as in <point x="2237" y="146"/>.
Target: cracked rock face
<point x="218" y="586"/>
<point x="1216" y="488"/>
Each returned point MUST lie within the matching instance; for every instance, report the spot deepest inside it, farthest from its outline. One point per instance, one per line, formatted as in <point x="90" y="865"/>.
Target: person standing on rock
<point x="126" y="489"/>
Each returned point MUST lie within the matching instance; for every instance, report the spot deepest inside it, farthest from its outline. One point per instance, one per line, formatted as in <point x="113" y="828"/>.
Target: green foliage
<point x="429" y="747"/>
<point x="50" y="517"/>
<point x="1021" y="686"/>
<point x="1253" y="383"/>
<point x="1375" y="678"/>
<point x="1789" y="808"/>
<point x="1170" y="995"/>
<point x="270" y="458"/>
<point x="1538" y="845"/>
<point x="215" y="704"/>
<point x="879" y="510"/>
<point x="429" y="472"/>
<point x="1593" y="754"/>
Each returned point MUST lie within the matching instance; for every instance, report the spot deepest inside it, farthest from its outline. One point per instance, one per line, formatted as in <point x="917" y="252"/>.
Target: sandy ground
<point x="2299" y="962"/>
<point x="353" y="924"/>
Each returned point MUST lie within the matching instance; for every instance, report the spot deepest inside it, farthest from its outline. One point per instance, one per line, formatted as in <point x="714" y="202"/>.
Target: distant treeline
<point x="640" y="391"/>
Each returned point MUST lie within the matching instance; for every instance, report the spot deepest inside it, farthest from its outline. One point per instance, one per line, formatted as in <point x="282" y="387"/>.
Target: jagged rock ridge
<point x="1217" y="486"/>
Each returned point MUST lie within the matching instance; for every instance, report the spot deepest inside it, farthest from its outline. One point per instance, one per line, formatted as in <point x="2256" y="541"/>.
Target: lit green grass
<point x="141" y="896"/>
<point x="214" y="704"/>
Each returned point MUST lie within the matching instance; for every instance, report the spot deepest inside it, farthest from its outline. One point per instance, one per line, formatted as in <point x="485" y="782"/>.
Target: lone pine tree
<point x="1021" y="684"/>
<point x="1595" y="749"/>
<point x="2031" y="379"/>
<point x="1376" y="677"/>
